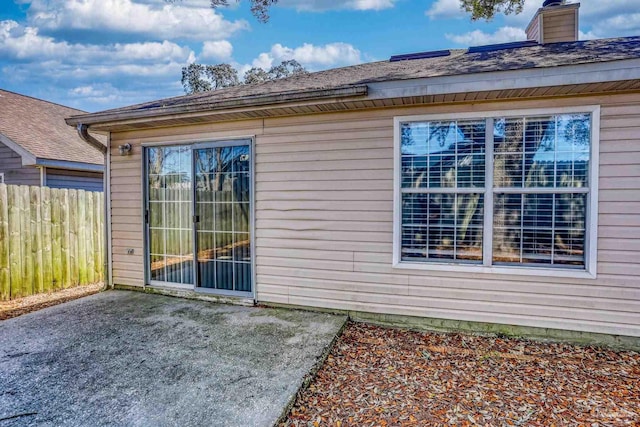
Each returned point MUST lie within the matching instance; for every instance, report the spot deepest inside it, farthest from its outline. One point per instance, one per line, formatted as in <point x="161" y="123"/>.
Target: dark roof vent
<point x="552" y="3"/>
<point x="420" y="55"/>
<point x="502" y="46"/>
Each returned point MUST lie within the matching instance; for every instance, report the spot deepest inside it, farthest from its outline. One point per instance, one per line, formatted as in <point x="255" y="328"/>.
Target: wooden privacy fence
<point x="50" y="239"/>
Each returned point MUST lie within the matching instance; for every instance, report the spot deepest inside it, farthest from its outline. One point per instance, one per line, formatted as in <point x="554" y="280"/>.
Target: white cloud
<point x="480" y="38"/>
<point x="160" y="20"/>
<point x="310" y="56"/>
<point x="445" y="9"/>
<point x="322" y="5"/>
<point x="24" y="43"/>
<point x="218" y="50"/>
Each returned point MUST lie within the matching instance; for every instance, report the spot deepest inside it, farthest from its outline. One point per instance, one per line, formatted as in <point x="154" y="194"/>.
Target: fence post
<point x="5" y="275"/>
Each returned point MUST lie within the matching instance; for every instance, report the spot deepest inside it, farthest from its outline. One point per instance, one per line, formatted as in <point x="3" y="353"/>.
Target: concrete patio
<point x="129" y="358"/>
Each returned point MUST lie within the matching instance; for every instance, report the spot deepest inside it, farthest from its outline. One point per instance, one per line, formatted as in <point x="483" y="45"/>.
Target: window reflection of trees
<point x="549" y="152"/>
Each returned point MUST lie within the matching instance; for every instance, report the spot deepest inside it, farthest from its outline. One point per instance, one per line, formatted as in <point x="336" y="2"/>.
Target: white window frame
<point x="591" y="221"/>
<point x="1" y="177"/>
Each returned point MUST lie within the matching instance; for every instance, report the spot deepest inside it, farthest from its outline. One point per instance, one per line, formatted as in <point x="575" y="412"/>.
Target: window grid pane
<point x="543" y="224"/>
<point x="442" y="227"/>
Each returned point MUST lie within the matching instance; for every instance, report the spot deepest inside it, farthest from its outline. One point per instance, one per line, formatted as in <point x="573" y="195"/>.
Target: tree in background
<point x="197" y="78"/>
<point x="479" y="9"/>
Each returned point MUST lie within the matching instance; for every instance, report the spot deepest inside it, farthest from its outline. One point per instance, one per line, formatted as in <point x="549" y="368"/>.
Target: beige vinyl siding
<point x="559" y="27"/>
<point x="14" y="172"/>
<point x="324" y="220"/>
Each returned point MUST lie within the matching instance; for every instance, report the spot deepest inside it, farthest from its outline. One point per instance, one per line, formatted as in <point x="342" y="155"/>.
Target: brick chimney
<point x="554" y="22"/>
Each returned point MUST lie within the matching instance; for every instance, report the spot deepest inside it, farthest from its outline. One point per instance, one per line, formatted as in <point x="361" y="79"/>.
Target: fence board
<point x="56" y="239"/>
<point x="74" y="272"/>
<point x="82" y="237"/>
<point x="88" y="233"/>
<point x="35" y="204"/>
<point x="65" y="234"/>
<point x="5" y="275"/>
<point x="25" y="236"/>
<point x="15" y="244"/>
<point x="97" y="232"/>
<point x="47" y="267"/>
<point x="49" y="239"/>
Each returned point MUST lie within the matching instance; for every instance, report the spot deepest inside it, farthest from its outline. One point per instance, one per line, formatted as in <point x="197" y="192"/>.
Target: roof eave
<point x="257" y="101"/>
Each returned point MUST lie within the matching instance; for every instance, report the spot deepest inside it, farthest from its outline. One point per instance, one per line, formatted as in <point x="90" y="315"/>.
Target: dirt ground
<point x="378" y="376"/>
<point x="17" y="307"/>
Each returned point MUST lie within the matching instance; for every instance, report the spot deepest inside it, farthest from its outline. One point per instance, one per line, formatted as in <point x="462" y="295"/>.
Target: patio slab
<point x="135" y="359"/>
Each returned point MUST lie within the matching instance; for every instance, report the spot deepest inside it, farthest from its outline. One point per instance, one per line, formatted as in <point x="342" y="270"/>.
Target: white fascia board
<point x="504" y="80"/>
<point x="28" y="159"/>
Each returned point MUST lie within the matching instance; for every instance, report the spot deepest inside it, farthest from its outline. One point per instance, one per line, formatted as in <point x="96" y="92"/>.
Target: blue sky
<point x="100" y="54"/>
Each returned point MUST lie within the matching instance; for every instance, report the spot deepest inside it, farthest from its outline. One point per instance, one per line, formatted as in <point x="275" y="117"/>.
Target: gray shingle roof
<point x="460" y="62"/>
<point x="38" y="126"/>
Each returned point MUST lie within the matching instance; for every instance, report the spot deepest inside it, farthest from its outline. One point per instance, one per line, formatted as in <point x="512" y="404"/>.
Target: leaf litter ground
<point x="378" y="376"/>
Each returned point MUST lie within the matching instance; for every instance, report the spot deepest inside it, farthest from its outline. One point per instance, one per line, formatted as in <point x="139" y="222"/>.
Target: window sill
<point x="481" y="269"/>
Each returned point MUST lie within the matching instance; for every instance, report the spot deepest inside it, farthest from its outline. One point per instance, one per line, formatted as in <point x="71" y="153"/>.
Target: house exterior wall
<point x="14" y="172"/>
<point x="324" y="222"/>
<point x="63" y="178"/>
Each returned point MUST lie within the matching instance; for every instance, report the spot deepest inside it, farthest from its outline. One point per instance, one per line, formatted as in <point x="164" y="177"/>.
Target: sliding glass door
<point x="199" y="202"/>
<point x="168" y="215"/>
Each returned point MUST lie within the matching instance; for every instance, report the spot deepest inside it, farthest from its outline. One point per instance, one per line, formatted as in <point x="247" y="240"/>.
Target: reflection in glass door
<point x="223" y="216"/>
<point x="168" y="215"/>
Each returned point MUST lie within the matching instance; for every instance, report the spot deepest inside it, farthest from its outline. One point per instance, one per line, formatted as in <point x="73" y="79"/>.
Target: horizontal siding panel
<point x="323" y="245"/>
<point x="355" y="144"/>
<point x="619" y="170"/>
<point x="339" y="195"/>
<point x="619" y="232"/>
<point x="332" y="236"/>
<point x="619" y="183"/>
<point x="345" y="276"/>
<point x="385" y="132"/>
<point x="304" y="254"/>
<point x="618" y="256"/>
<point x="287" y="205"/>
<point x="313" y="156"/>
<point x="313" y="264"/>
<point x="326" y="165"/>
<point x="298" y="225"/>
<point x="328" y="175"/>
<point x="125" y="281"/>
<point x="325" y="185"/>
<point x="624" y="195"/>
<point x="337" y="285"/>
<point x="619" y="146"/>
<point x="619" y="220"/>
<point x="292" y="215"/>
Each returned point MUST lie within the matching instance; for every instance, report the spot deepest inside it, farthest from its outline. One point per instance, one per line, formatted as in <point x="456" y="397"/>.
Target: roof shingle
<point x="38" y="126"/>
<point x="460" y="62"/>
